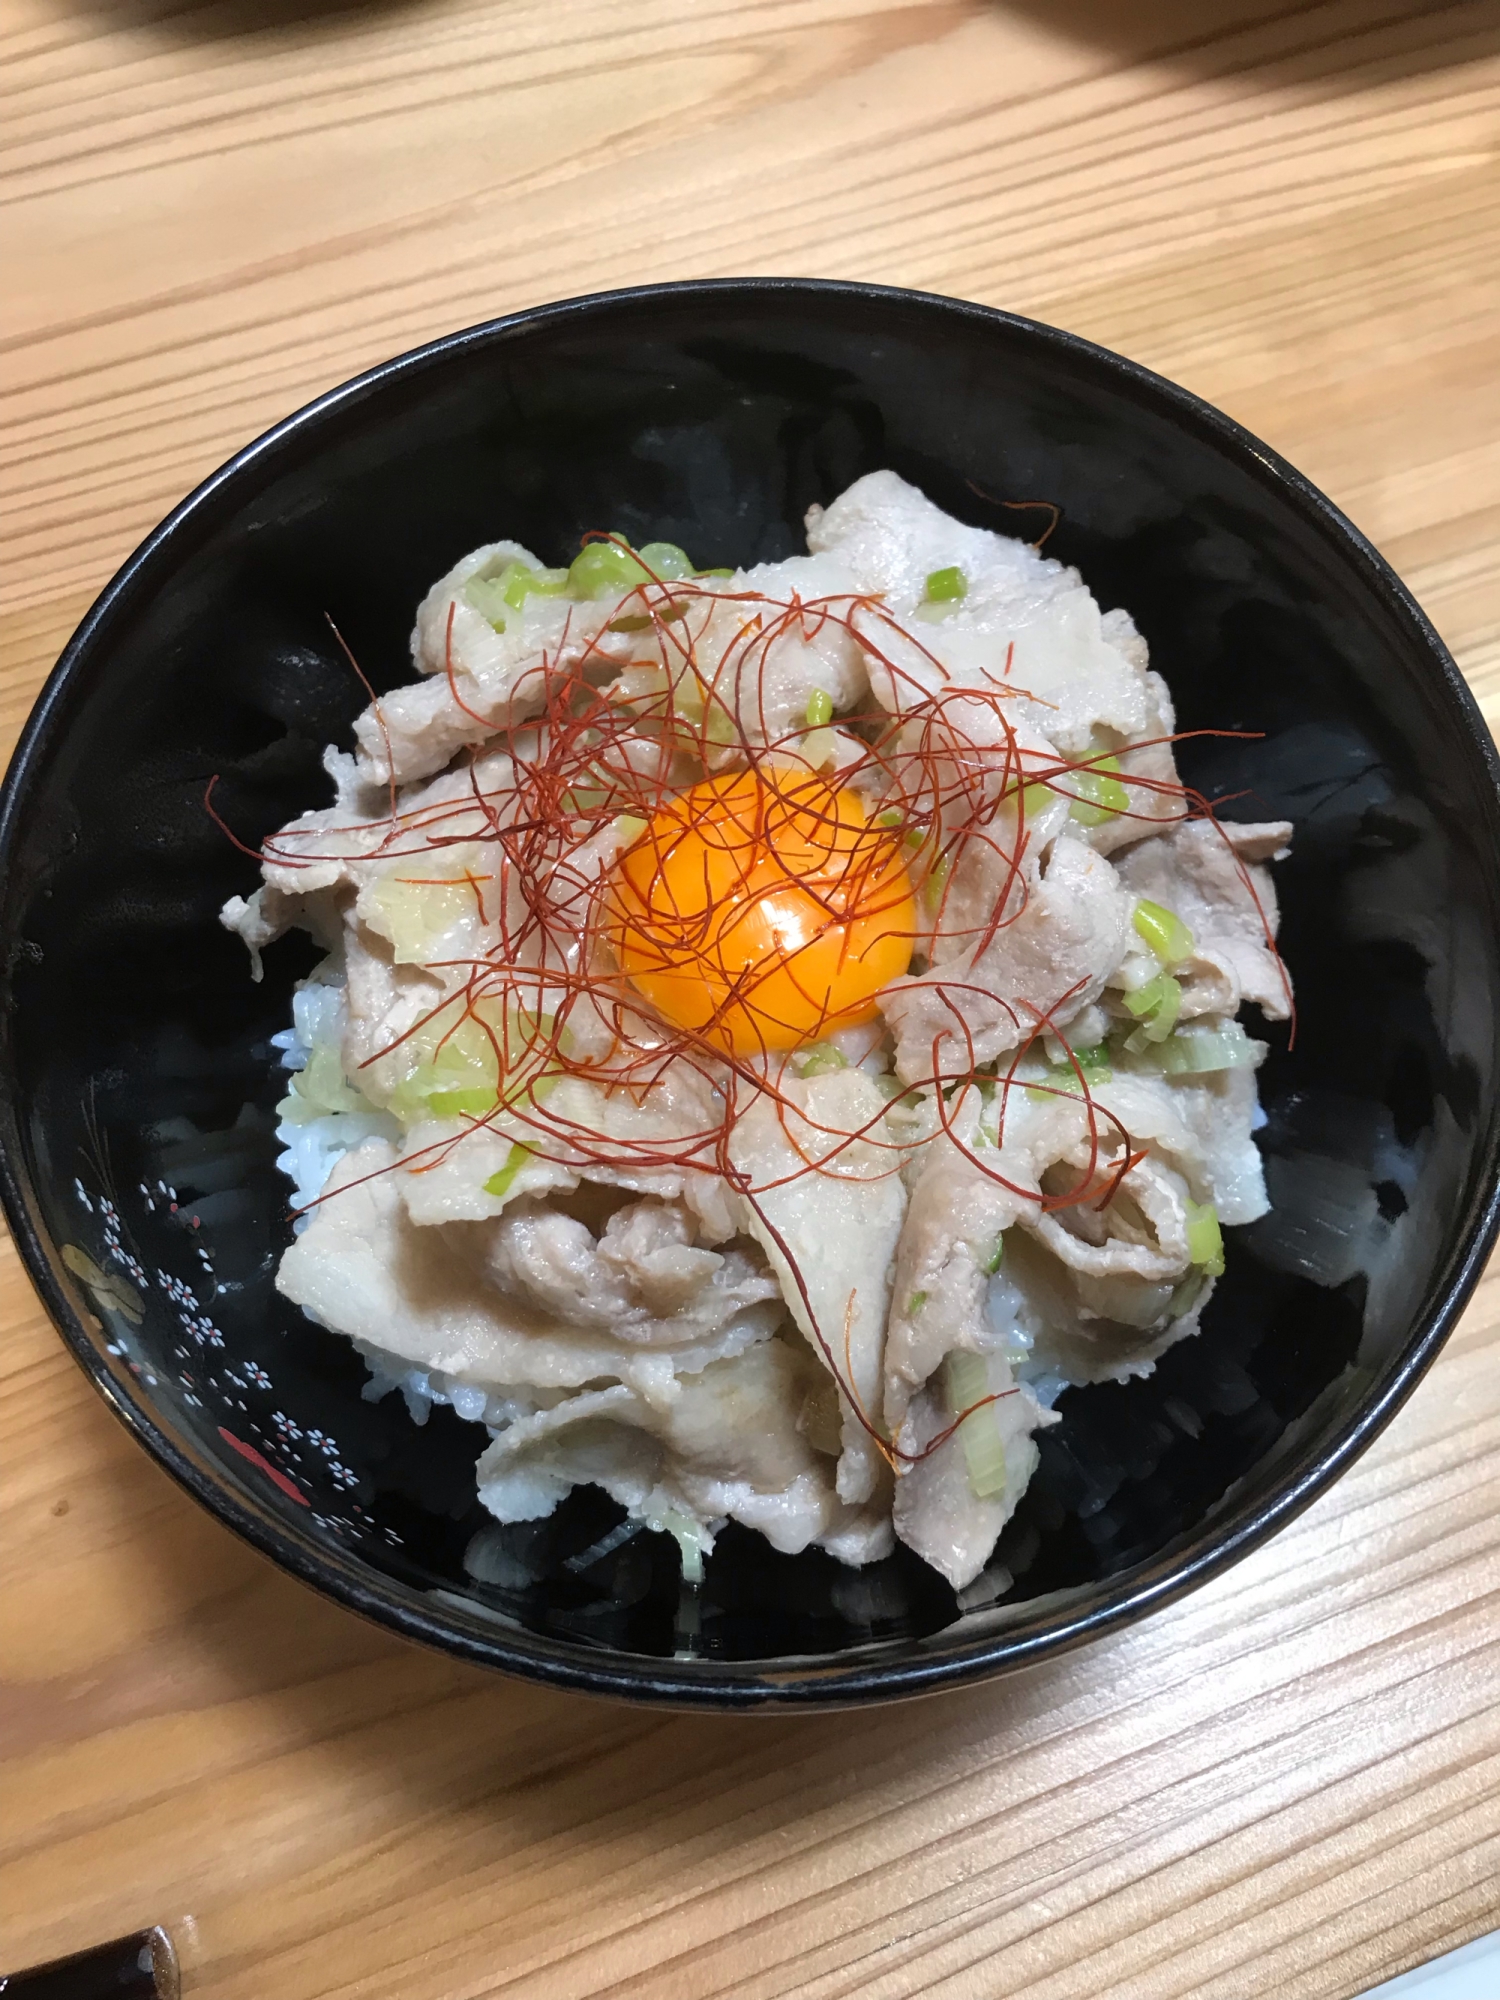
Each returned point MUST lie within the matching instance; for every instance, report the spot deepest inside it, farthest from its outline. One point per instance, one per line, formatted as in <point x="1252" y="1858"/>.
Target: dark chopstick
<point x="142" y="1967"/>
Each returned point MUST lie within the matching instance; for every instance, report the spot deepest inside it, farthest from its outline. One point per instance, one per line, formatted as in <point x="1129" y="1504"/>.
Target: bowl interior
<point x="142" y="1082"/>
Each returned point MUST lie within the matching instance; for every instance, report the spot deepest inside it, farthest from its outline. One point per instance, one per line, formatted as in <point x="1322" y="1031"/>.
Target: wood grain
<point x="1289" y="1785"/>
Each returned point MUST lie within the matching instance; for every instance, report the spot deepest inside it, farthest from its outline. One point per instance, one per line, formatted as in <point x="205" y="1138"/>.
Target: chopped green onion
<point x="1187" y="1294"/>
<point x="687" y="696"/>
<point x="987" y="1125"/>
<point x="689" y="1538"/>
<point x="979" y="1433"/>
<point x="320" y="1089"/>
<point x="1029" y="800"/>
<point x="915" y="1304"/>
<point x="714" y="572"/>
<point x="1203" y="1051"/>
<point x="605" y="569"/>
<point x="1156" y="1006"/>
<point x="456" y="1068"/>
<point x="820" y="1059"/>
<point x="947" y="586"/>
<point x="937" y="881"/>
<point x="1164" y="931"/>
<point x="991" y="1264"/>
<point x="630" y="827"/>
<point x="500" y="1184"/>
<point x="487" y="595"/>
<point x="1098" y="796"/>
<point x="475" y="1101"/>
<point x="819" y="708"/>
<point x="492" y="596"/>
<point x="1094" y="1063"/>
<point x="539" y="1089"/>
<point x="890" y="817"/>
<point x="1205" y="1240"/>
<point x="522" y="582"/>
<point x="666" y="560"/>
<point x="583" y="799"/>
<point x="719" y="725"/>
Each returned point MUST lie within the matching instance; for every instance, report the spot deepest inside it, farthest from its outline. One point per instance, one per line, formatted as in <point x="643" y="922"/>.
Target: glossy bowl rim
<point x="929" y="1664"/>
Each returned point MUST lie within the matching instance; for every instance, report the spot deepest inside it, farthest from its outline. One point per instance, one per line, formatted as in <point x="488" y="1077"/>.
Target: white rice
<point x="310" y="1152"/>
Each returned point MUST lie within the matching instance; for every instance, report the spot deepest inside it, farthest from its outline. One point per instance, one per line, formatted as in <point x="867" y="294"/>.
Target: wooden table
<point x="1289" y="1785"/>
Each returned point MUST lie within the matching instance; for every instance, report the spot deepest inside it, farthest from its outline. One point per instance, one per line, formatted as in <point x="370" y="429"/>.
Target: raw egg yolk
<point x="761" y="916"/>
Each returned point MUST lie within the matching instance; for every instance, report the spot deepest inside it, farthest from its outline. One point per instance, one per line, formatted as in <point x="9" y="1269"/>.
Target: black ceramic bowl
<point x="138" y="1081"/>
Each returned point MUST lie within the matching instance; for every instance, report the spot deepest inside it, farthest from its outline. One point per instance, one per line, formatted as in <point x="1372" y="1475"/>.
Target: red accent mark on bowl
<point x="257" y="1458"/>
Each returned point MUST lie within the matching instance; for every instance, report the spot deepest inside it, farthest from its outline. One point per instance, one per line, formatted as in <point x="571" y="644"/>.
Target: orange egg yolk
<point x="762" y="916"/>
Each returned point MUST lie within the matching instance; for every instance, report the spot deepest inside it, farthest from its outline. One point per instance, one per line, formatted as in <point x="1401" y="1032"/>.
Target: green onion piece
<point x="492" y="596"/>
<point x="456" y="1069"/>
<point x="820" y="1059"/>
<point x="1145" y="998"/>
<point x="1099" y="797"/>
<point x="819" y="709"/>
<point x="541" y="1089"/>
<point x="987" y="1125"/>
<point x="630" y="827"/>
<point x="979" y="1433"/>
<point x="947" y="586"/>
<point x="1204" y="1237"/>
<point x="687" y="697"/>
<point x="1187" y="1293"/>
<point x="1203" y="1051"/>
<point x="500" y="1184"/>
<point x="605" y="569"/>
<point x="1094" y="1063"/>
<point x="991" y="1264"/>
<point x="719" y="726"/>
<point x="633" y="621"/>
<point x="1156" y="1006"/>
<point x="583" y="799"/>
<point x="666" y="560"/>
<point x="819" y="747"/>
<point x="487" y="595"/>
<point x="1029" y="800"/>
<point x="890" y="817"/>
<point x="522" y="582"/>
<point x="714" y="572"/>
<point x="915" y="1304"/>
<point x="475" y="1101"/>
<point x="1164" y="931"/>
<point x="1164" y="1020"/>
<point x="937" y="881"/>
<point x="689" y="1538"/>
<point x="321" y="1089"/>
